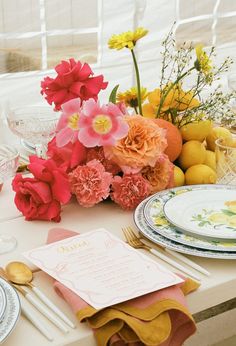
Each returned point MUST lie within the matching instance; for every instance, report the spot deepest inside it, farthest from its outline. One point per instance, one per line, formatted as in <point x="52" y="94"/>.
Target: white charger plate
<point x="12" y="311"/>
<point x="154" y="215"/>
<point x="205" y="212"/>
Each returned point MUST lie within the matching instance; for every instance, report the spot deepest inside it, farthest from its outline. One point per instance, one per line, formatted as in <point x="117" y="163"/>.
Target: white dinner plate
<point x="3" y="303"/>
<point x="204" y="212"/>
<point x="12" y="311"/>
<point x="154" y="215"/>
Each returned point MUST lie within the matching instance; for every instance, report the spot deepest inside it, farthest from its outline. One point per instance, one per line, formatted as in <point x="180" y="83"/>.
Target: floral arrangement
<point x="123" y="150"/>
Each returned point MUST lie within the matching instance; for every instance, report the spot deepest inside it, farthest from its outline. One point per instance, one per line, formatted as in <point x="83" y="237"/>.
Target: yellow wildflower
<point x="130" y="97"/>
<point x="126" y="39"/>
<point x="203" y="63"/>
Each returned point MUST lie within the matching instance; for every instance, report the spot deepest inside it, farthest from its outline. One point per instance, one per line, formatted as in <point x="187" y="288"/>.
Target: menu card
<point x="102" y="269"/>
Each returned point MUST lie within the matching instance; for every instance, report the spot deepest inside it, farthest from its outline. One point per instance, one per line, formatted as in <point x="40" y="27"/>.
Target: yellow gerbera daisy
<point x="130" y="97"/>
<point x="126" y="39"/>
<point x="203" y="62"/>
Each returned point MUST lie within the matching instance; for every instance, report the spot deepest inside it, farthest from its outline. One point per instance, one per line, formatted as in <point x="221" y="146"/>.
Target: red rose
<point x="34" y="199"/>
<point x="73" y="80"/>
<point x="47" y="171"/>
<point x="67" y="157"/>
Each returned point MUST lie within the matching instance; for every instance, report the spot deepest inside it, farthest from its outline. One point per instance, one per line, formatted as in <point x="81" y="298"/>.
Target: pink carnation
<point x="98" y="154"/>
<point x="130" y="190"/>
<point x="73" y="80"/>
<point x="90" y="183"/>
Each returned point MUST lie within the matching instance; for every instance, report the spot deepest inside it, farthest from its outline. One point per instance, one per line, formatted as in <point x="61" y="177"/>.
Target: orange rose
<point x="142" y="146"/>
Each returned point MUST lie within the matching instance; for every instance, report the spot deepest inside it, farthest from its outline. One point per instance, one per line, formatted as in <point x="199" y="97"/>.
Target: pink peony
<point x="90" y="183"/>
<point x="68" y="156"/>
<point x="68" y="124"/>
<point x="101" y="125"/>
<point x="73" y="80"/>
<point x="129" y="190"/>
<point x="35" y="200"/>
<point x="97" y="153"/>
<point x="160" y="176"/>
<point x="48" y="172"/>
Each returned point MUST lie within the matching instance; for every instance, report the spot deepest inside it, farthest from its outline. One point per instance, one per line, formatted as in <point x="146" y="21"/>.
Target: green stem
<point x="138" y="82"/>
<point x="170" y="88"/>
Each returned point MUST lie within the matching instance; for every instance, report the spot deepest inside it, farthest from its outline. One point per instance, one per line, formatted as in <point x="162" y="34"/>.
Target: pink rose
<point x="48" y="172"/>
<point x="73" y="80"/>
<point x="35" y="200"/>
<point x="67" y="157"/>
<point x="90" y="183"/>
<point x="129" y="190"/>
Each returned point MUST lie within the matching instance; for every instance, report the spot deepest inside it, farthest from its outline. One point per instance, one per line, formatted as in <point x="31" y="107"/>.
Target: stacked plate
<point x="198" y="220"/>
<point x="9" y="309"/>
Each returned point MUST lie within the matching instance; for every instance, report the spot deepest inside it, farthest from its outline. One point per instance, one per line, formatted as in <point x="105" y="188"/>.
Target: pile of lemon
<point x="196" y="163"/>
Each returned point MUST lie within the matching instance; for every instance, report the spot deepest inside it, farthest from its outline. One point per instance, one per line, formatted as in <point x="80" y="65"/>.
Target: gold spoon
<point x="20" y="274"/>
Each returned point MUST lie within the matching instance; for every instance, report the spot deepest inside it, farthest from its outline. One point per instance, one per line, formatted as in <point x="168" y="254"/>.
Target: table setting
<point x="144" y="189"/>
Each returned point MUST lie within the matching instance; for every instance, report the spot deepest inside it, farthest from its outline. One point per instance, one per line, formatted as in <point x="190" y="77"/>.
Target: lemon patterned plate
<point x="155" y="218"/>
<point x="204" y="213"/>
<point x="157" y="238"/>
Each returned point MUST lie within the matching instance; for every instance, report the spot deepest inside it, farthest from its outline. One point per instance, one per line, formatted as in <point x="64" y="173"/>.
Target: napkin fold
<point x="159" y="318"/>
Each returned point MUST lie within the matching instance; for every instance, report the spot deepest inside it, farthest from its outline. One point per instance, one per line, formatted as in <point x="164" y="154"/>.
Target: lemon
<point x="210" y="159"/>
<point x="178" y="176"/>
<point x="219" y="218"/>
<point x="197" y="130"/>
<point x="232" y="221"/>
<point x="193" y="153"/>
<point x="218" y="132"/>
<point x="200" y="174"/>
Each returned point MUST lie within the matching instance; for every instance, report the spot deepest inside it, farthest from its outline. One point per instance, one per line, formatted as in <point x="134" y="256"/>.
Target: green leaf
<point x="112" y="97"/>
<point x="228" y="212"/>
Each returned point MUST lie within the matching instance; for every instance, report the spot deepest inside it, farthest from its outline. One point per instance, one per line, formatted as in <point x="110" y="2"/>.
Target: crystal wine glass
<point x="232" y="87"/>
<point x="35" y="124"/>
<point x="9" y="158"/>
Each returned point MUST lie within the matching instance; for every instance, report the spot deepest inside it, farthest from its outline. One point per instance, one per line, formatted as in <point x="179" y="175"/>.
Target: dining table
<point x="211" y="302"/>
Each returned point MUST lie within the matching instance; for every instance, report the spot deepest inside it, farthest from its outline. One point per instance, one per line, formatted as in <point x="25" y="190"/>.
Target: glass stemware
<point x="9" y="158"/>
<point x="35" y="124"/>
<point x="232" y="87"/>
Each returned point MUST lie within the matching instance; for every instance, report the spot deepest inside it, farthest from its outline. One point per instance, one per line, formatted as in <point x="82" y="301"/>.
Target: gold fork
<point x="137" y="243"/>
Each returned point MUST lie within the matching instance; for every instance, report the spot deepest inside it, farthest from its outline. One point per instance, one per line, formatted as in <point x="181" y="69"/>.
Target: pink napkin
<point x="159" y="318"/>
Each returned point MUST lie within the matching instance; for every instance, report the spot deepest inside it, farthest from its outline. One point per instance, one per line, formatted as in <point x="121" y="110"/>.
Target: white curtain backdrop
<point x="207" y="18"/>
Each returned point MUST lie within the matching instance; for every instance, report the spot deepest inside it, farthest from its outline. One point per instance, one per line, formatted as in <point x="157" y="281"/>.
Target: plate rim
<point x="189" y="231"/>
<point x="162" y="232"/>
<point x="17" y="301"/>
<point x="3" y="310"/>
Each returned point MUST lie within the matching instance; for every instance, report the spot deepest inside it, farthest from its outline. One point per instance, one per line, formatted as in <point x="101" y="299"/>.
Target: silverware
<point x="27" y="312"/>
<point x="136" y="243"/>
<point x="20" y="274"/>
<point x="36" y="321"/>
<point x="185" y="260"/>
<point x="37" y="304"/>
